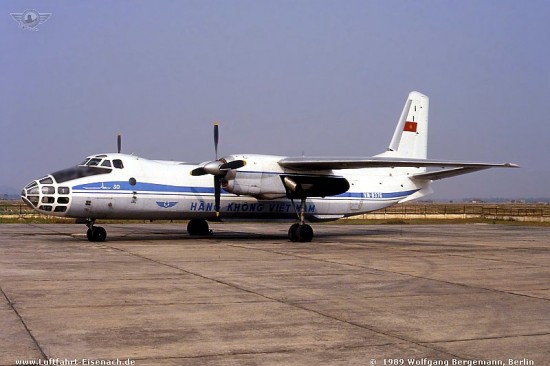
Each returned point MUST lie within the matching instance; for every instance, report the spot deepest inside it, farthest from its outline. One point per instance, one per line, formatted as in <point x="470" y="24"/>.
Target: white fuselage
<point x="163" y="190"/>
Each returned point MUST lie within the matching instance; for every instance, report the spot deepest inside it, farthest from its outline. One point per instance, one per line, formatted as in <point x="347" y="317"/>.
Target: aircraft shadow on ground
<point x="217" y="236"/>
<point x="133" y="234"/>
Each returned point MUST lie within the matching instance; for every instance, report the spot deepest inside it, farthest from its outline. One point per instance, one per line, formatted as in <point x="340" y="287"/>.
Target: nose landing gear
<point x="95" y="233"/>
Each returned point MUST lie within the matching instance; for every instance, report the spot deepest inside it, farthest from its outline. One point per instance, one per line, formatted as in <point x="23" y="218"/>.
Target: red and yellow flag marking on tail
<point x="410" y="126"/>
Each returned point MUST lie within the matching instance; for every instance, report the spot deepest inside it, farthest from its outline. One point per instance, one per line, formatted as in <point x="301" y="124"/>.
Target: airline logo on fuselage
<point x="166" y="204"/>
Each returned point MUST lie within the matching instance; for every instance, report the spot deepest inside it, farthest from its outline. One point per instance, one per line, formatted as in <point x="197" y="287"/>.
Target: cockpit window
<point x="93" y="162"/>
<point x="97" y="161"/>
<point x="79" y="172"/>
<point x="118" y="164"/>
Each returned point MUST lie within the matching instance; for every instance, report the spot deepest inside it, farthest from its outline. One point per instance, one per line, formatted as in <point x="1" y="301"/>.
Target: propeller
<point x="119" y="143"/>
<point x="219" y="169"/>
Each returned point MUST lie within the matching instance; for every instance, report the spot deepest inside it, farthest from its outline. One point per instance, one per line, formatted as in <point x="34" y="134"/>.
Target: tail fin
<point x="410" y="139"/>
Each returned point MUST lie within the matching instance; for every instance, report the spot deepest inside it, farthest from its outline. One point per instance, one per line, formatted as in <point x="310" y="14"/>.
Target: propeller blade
<point x="216" y="138"/>
<point x="217" y="193"/>
<point x="235" y="164"/>
<point x="119" y="143"/>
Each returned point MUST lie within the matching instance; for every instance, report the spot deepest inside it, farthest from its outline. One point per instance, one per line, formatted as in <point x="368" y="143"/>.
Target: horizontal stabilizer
<point x="447" y="173"/>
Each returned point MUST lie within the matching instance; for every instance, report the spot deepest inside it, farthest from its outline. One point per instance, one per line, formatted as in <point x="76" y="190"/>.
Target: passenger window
<point x="106" y="163"/>
<point x="118" y="164"/>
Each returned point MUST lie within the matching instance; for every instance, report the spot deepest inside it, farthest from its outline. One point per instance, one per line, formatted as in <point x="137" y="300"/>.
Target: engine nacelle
<point x="264" y="178"/>
<point x="256" y="184"/>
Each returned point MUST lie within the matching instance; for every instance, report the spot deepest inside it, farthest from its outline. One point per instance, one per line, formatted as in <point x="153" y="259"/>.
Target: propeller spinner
<point x="219" y="169"/>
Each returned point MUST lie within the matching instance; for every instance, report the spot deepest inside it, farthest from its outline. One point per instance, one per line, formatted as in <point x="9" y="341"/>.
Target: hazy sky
<point x="281" y="77"/>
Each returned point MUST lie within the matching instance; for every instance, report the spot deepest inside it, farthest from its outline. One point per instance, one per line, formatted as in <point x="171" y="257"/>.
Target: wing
<point x="330" y="163"/>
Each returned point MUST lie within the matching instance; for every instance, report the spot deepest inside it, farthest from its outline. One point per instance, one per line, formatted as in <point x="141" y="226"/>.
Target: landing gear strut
<point x="95" y="233"/>
<point x="300" y="232"/>
<point x="197" y="227"/>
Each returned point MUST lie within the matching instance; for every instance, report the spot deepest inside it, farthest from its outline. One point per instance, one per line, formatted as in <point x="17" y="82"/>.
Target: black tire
<point x="90" y="235"/>
<point x="293" y="233"/>
<point x="305" y="233"/>
<point x="99" y="234"/>
<point x="198" y="227"/>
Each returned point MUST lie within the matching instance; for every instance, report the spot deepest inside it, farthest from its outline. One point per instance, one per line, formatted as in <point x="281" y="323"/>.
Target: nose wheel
<point x="95" y="234"/>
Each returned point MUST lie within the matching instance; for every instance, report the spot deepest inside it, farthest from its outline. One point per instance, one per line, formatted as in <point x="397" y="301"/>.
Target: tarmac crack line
<point x="35" y="341"/>
<point x="294" y="305"/>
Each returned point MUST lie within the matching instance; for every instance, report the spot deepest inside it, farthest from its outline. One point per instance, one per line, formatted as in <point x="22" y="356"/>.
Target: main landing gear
<point x="300" y="232"/>
<point x="95" y="233"/>
<point x="198" y="227"/>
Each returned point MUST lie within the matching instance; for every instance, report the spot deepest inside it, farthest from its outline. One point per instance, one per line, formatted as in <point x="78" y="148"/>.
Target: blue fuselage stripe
<point x="124" y="187"/>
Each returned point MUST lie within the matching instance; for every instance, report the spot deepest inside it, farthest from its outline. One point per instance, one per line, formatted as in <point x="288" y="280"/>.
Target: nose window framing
<point x="43" y="195"/>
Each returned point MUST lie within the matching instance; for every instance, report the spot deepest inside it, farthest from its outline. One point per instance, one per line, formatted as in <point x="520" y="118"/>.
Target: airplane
<point x="249" y="186"/>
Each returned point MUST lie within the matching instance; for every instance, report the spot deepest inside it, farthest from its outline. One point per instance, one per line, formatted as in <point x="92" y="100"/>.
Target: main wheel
<point x="300" y="233"/>
<point x="305" y="233"/>
<point x="293" y="233"/>
<point x="198" y="227"/>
